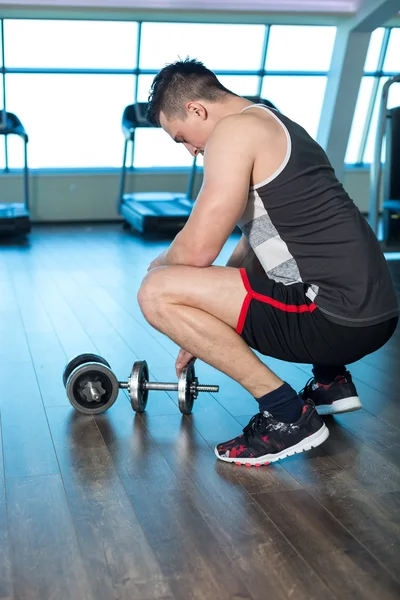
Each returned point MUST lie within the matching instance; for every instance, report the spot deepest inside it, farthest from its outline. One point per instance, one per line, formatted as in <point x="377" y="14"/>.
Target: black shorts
<point x="281" y="322"/>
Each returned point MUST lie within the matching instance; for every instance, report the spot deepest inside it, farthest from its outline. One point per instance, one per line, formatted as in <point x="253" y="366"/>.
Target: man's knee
<point x="150" y="294"/>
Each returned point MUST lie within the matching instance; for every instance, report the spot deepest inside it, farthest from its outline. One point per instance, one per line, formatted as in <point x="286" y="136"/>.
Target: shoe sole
<point x="340" y="406"/>
<point x="312" y="441"/>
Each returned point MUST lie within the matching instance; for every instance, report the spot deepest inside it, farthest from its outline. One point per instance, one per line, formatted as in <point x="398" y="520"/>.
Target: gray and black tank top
<point x="304" y="228"/>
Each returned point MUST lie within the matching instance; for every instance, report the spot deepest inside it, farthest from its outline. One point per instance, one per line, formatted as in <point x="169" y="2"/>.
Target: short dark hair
<point x="180" y="82"/>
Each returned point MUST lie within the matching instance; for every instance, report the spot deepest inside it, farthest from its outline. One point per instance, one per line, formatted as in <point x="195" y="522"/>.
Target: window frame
<point x="261" y="72"/>
<point x="377" y="75"/>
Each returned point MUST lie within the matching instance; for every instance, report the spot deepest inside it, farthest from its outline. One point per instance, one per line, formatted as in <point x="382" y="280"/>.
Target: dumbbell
<point x="92" y="387"/>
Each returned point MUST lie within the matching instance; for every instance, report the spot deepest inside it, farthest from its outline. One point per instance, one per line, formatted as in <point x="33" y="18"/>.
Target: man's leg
<point x="199" y="309"/>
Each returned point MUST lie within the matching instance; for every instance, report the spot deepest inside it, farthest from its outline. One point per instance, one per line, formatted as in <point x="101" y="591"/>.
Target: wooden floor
<point x="132" y="507"/>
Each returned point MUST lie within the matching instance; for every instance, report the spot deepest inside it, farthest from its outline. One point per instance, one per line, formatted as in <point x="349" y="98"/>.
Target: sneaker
<point x="337" y="397"/>
<point x="265" y="440"/>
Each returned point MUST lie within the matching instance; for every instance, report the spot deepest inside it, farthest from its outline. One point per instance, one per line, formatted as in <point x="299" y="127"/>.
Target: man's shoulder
<point x="242" y="126"/>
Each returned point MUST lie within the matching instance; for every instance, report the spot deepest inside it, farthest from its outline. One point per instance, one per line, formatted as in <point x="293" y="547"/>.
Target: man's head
<point x="181" y="100"/>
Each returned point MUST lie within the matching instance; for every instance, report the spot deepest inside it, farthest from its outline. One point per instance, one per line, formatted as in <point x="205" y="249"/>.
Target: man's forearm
<point x="181" y="252"/>
<point x="239" y="254"/>
<point x="244" y="257"/>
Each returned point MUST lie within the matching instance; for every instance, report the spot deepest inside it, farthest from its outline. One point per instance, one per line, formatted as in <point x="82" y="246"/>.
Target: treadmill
<point x="388" y="131"/>
<point x="14" y="216"/>
<point x="148" y="212"/>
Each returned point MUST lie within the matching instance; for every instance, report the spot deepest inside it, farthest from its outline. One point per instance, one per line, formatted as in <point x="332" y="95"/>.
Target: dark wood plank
<point x="187" y="549"/>
<point x="368" y="467"/>
<point x="363" y="514"/>
<point x="366" y="517"/>
<point x="13" y="344"/>
<point x="141" y="341"/>
<point x="156" y="515"/>
<point x="123" y="295"/>
<point x="116" y="555"/>
<point x="46" y="560"/>
<point x="346" y="497"/>
<point x="6" y="591"/>
<point x="67" y="327"/>
<point x="140" y="465"/>
<point x="190" y="456"/>
<point x="47" y="354"/>
<point x="343" y="564"/>
<point x="385" y="360"/>
<point x="28" y="448"/>
<point x="110" y="344"/>
<point x="232" y="396"/>
<point x="263" y="559"/>
<point x="373" y="432"/>
<point x="383" y="406"/>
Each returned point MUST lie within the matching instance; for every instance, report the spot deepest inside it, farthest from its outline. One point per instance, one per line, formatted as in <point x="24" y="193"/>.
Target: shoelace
<point x="309" y="385"/>
<point x="254" y="424"/>
<point x="307" y="388"/>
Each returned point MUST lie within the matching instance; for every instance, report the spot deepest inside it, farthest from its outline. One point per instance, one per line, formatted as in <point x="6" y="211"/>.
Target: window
<point x="70" y="44"/>
<point x="2" y="153"/>
<point x="71" y="89"/>
<point x="243" y="85"/>
<point x="220" y="47"/>
<point x="374" y="50"/>
<point x="360" y="116"/>
<point x="300" y="48"/>
<point x="392" y="59"/>
<point x="154" y="148"/>
<point x="2" y="137"/>
<point x="383" y="60"/>
<point x="393" y="100"/>
<point x="72" y="120"/>
<point x="299" y="98"/>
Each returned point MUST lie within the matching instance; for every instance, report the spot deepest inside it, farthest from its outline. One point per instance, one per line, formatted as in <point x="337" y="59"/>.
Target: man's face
<point x="192" y="132"/>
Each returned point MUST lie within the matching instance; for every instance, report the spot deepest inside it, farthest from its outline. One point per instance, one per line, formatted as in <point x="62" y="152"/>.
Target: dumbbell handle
<point x="171" y="387"/>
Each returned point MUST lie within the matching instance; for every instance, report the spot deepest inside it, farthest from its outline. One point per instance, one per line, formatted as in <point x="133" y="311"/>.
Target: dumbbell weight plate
<point x="88" y="381"/>
<point x="186" y="396"/>
<point x="137" y="392"/>
<point x="79" y="360"/>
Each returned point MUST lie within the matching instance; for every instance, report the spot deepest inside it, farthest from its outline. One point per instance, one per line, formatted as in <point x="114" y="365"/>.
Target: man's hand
<point x="183" y="359"/>
<point x="160" y="261"/>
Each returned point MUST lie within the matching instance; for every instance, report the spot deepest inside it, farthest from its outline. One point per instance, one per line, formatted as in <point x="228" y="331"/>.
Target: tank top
<point x="304" y="228"/>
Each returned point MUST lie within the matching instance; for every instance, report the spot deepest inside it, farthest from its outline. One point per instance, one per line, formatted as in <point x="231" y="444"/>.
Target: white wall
<point x="89" y="196"/>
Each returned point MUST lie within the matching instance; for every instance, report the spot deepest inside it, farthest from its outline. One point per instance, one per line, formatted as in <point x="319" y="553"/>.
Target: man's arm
<point x="244" y="257"/>
<point x="240" y="252"/>
<point x="228" y="163"/>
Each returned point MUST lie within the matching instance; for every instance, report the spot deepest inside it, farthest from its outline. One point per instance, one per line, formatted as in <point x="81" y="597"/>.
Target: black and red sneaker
<point x="265" y="440"/>
<point x="337" y="397"/>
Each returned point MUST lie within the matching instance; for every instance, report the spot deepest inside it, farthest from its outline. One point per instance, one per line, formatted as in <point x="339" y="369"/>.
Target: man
<point x="306" y="283"/>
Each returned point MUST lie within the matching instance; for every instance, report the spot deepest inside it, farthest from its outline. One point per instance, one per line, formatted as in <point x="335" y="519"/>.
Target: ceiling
<point x="299" y="6"/>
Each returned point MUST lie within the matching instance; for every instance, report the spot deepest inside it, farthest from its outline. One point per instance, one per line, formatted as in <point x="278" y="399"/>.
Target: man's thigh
<point x="216" y="290"/>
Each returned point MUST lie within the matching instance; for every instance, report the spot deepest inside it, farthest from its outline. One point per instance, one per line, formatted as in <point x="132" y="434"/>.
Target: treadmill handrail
<point x="13" y="126"/>
<point x="376" y="166"/>
<point x="134" y="116"/>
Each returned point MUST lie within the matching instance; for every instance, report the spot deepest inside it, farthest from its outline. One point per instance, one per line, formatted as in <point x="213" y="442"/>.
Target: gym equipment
<point x="148" y="212"/>
<point x="388" y="127"/>
<point x="92" y="387"/>
<point x="14" y="216"/>
<point x="90" y="383"/>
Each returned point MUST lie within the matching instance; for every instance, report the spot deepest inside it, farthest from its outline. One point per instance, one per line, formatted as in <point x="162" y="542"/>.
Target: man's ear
<point x="197" y="109"/>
